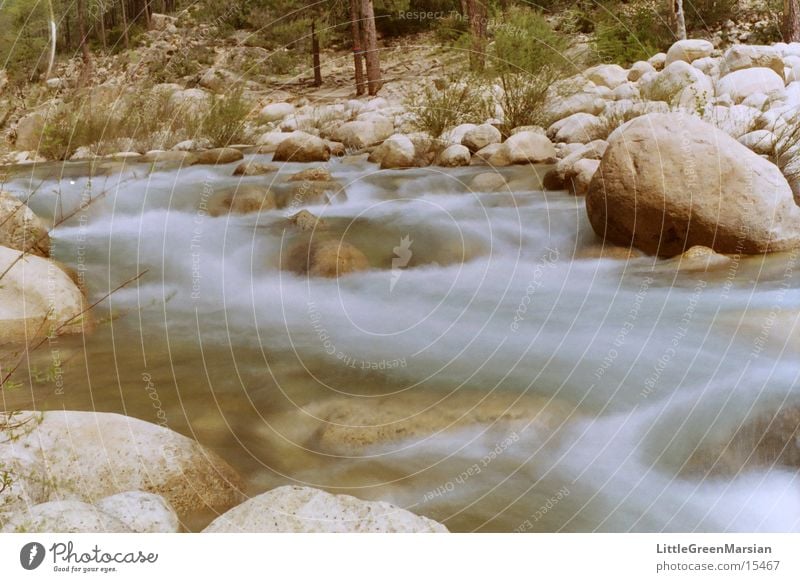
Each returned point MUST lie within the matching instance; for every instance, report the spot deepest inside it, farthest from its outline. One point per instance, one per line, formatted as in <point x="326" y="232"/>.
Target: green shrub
<point x="626" y="34"/>
<point x="223" y="123"/>
<point x="528" y="58"/>
<point x="707" y="14"/>
<point x="452" y="102"/>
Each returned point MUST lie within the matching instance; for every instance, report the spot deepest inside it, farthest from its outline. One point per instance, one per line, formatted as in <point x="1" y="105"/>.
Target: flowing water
<point x="585" y="393"/>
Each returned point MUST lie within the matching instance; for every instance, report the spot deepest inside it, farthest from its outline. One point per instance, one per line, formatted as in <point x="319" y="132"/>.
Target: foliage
<point x="453" y="102"/>
<point x="223" y="124"/>
<point x="528" y="58"/>
<point x="23" y="39"/>
<point x="626" y="34"/>
<point x="706" y="14"/>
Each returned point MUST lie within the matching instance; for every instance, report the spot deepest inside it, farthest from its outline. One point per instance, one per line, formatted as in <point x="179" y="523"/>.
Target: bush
<point x="626" y="34"/>
<point x="223" y="124"/>
<point x="706" y="14"/>
<point x="453" y="102"/>
<point x="529" y="57"/>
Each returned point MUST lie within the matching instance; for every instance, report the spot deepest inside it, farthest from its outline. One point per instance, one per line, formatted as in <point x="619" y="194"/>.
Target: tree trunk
<point x="103" y="26"/>
<point x="476" y="13"/>
<point x="86" y="73"/>
<point x="791" y="21"/>
<point x="124" y="24"/>
<point x="373" y="60"/>
<point x="315" y="55"/>
<point x="355" y="31"/>
<point x="680" y="19"/>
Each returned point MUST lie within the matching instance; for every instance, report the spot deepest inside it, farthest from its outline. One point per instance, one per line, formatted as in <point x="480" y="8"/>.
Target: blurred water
<point x="651" y="364"/>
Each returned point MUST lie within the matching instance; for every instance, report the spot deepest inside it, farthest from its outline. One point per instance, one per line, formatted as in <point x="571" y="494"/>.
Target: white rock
<point x="141" y="512"/>
<point x="479" y="137"/>
<point x="638" y="69"/>
<point x="454" y="155"/>
<point x="276" y="111"/>
<point x="742" y="56"/>
<point x="362" y="134"/>
<point x="396" y="152"/>
<point x="689" y="50"/>
<point x="64" y="517"/>
<point x="658" y="61"/>
<point x="742" y="83"/>
<point x="523" y="148"/>
<point x="627" y="90"/>
<point x="611" y="76"/>
<point x="302" y="509"/>
<point x="269" y="141"/>
<point x="578" y="128"/>
<point x="760" y="141"/>
<point x="456" y="134"/>
<point x="675" y="82"/>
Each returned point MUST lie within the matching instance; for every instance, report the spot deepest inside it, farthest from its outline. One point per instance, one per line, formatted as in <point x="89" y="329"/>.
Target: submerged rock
<point x="326" y="258"/>
<point x="252" y="168"/>
<point x="217" y="156"/>
<point x="671" y="181"/>
<point x="303" y="509"/>
<point x="306" y="221"/>
<point x="311" y="175"/>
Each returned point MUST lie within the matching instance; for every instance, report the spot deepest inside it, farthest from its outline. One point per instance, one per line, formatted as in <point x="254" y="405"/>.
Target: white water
<point x="229" y="340"/>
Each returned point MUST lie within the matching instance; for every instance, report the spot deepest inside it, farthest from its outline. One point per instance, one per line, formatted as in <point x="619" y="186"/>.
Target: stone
<point x="306" y="221"/>
<point x="268" y="142"/>
<point x="689" y="50"/>
<point x="578" y="128"/>
<point x="141" y="512"/>
<point x="743" y="56"/>
<point x="671" y="181"/>
<point x="638" y="69"/>
<point x="580" y="176"/>
<point x="482" y="156"/>
<point x="318" y="174"/>
<point x="88" y="456"/>
<point x="276" y="112"/>
<point x="742" y="83"/>
<point x="67" y="516"/>
<point x="626" y="90"/>
<point x="487" y="182"/>
<point x="481" y="136"/>
<point x="761" y="141"/>
<point x="362" y="134"/>
<point x="21" y="229"/>
<point x="243" y="199"/>
<point x="560" y="107"/>
<point x="302" y="147"/>
<point x="396" y="152"/>
<point x="327" y="258"/>
<point x="456" y="134"/>
<point x="454" y="155"/>
<point x="611" y="76"/>
<point x="252" y="168"/>
<point x="217" y="156"/>
<point x="37" y="298"/>
<point x="292" y="509"/>
<point x="29" y="131"/>
<point x="677" y="82"/>
<point x="699" y="258"/>
<point x="523" y="148"/>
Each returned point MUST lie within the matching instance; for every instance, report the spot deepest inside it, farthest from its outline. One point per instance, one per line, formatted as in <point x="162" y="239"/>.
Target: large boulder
<point x="29" y="131"/>
<point x="481" y="136"/>
<point x="396" y="152"/>
<point x="87" y="456"/>
<point x="305" y="510"/>
<point x="141" y="512"/>
<point x="745" y="82"/>
<point x="37" y="298"/>
<point x="639" y="69"/>
<point x="743" y="56"/>
<point x="302" y="147"/>
<point x="524" y="148"/>
<point x="689" y="50"/>
<point x="678" y="83"/>
<point x="21" y="229"/>
<point x="671" y="181"/>
<point x="362" y="134"/>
